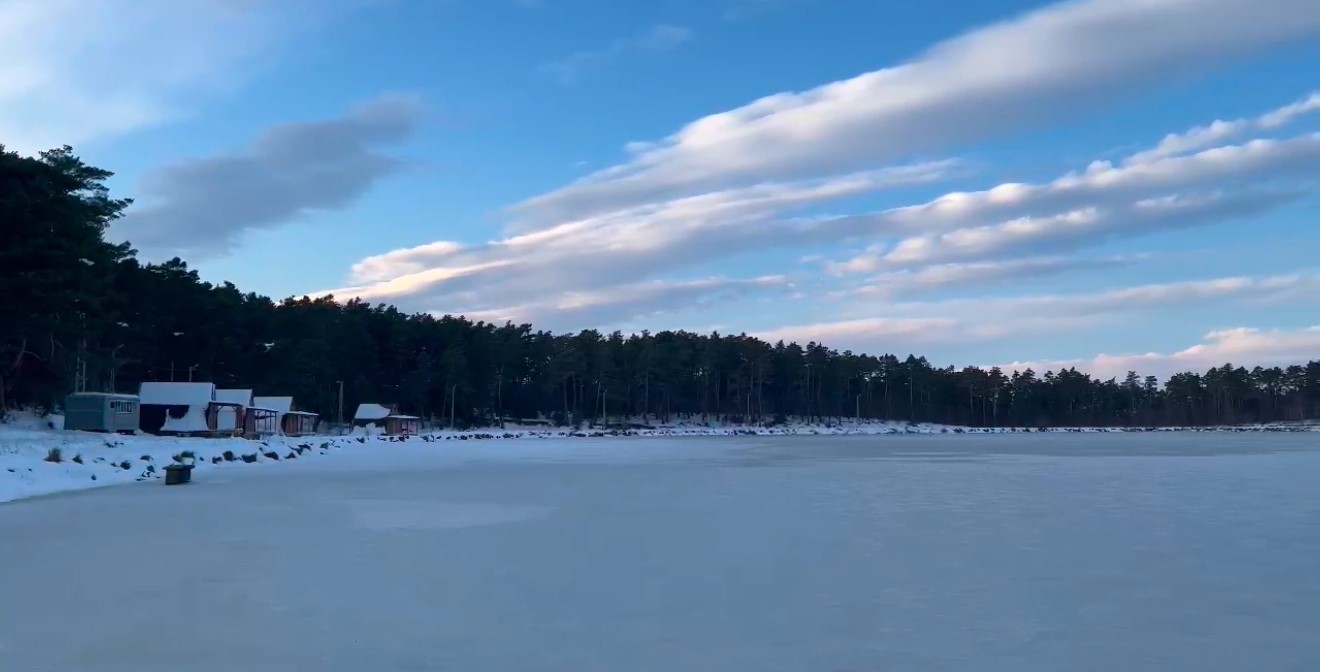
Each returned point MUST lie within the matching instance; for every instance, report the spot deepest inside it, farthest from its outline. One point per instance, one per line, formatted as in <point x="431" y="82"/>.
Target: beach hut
<point x="402" y="425"/>
<point x="177" y="408"/>
<point x="101" y="412"/>
<point x="387" y="419"/>
<point x="290" y="420"/>
<point x="259" y="422"/>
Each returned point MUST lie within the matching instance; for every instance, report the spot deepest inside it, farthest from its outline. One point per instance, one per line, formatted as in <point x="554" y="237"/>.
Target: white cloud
<point x="918" y="325"/>
<point x="616" y="248"/>
<point x="841" y="332"/>
<point x="979" y="274"/>
<point x="1292" y="286"/>
<point x="662" y="37"/>
<point x="1241" y="346"/>
<point x="757" y="178"/>
<point x="72" y="71"/>
<point x="635" y="244"/>
<point x="988" y="81"/>
<point x="1220" y="131"/>
<point x="614" y="305"/>
<point x="1101" y="203"/>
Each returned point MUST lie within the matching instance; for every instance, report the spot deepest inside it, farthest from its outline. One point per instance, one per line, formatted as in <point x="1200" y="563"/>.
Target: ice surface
<point x="1012" y="553"/>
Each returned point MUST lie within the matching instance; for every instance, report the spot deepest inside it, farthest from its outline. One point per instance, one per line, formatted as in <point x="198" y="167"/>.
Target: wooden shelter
<point x="402" y="425"/>
<point x="290" y="420"/>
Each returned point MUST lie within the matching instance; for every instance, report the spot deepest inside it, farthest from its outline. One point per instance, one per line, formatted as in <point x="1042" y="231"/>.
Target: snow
<point x="371" y="412"/>
<point x="281" y="405"/>
<point x="177" y="394"/>
<point x="241" y="397"/>
<point x="26" y="439"/>
<point x="1030" y="552"/>
<point x="24" y="448"/>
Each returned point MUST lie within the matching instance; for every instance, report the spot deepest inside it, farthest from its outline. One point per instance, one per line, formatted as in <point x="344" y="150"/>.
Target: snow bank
<point x="39" y="461"/>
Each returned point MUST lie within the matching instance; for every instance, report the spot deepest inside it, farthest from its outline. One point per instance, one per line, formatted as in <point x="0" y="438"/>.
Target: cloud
<point x="202" y="207"/>
<point x="616" y="248"/>
<point x="1240" y="346"/>
<point x="644" y="242"/>
<point x="662" y="37"/>
<point x="1220" y="131"/>
<point x="614" y="305"/>
<point x="72" y="71"/>
<point x="979" y="274"/>
<point x="994" y="79"/>
<point x="1077" y="209"/>
<point x="1069" y="230"/>
<point x="738" y="10"/>
<point x="866" y="329"/>
<point x="917" y="325"/>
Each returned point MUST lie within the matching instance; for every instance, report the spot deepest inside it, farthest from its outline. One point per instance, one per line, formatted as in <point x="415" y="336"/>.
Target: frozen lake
<point x="1014" y="553"/>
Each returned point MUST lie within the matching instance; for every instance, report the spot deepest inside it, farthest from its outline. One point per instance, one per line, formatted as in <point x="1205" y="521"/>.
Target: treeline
<point x="77" y="312"/>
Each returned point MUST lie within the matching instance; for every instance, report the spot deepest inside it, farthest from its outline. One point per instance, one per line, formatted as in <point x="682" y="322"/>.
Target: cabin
<point x="402" y="425"/>
<point x="289" y="420"/>
<point x="101" y="412"/>
<point x="178" y="408"/>
<point x="386" y="418"/>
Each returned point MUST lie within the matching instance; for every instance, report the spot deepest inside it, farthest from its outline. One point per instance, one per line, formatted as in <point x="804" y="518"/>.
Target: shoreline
<point x="36" y="461"/>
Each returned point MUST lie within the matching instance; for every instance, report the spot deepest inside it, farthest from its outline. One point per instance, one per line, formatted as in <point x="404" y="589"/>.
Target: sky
<point x="1105" y="184"/>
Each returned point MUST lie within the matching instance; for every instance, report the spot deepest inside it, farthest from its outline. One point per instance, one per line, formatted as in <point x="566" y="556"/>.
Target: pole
<point x="339" y="418"/>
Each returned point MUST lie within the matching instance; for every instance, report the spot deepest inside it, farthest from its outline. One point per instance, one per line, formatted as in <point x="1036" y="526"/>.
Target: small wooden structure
<point x="259" y="422"/>
<point x="402" y="425"/>
<point x="299" y="423"/>
<point x="101" y="412"/>
<point x="387" y="418"/>
<point x="291" y="421"/>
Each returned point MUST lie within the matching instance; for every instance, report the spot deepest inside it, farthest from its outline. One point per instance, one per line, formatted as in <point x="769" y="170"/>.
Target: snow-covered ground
<point x="1007" y="553"/>
<point x="37" y="458"/>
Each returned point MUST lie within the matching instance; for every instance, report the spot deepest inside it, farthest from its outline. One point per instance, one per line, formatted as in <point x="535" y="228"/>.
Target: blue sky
<point x="1111" y="184"/>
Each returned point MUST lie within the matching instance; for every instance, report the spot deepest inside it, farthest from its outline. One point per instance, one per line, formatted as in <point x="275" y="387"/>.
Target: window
<point x="122" y="406"/>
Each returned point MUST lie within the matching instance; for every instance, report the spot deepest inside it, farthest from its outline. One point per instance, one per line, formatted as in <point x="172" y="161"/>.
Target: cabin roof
<point x="235" y="396"/>
<point x="104" y="395"/>
<point x="371" y="412"/>
<point x="281" y="404"/>
<point x="177" y="394"/>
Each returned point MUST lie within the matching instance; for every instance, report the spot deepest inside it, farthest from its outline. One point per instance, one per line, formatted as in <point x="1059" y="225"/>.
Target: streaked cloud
<point x="918" y="325"/>
<point x="900" y="284"/>
<point x="1241" y="346"/>
<point x="658" y="38"/>
<point x="615" y="305"/>
<point x="989" y="81"/>
<point x="200" y="208"/>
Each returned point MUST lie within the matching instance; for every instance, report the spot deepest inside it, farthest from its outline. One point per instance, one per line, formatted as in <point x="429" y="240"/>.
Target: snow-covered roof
<point x="405" y="417"/>
<point x="243" y="397"/>
<point x="371" y="412"/>
<point x="177" y="394"/>
<point x="281" y="404"/>
<point x="104" y="395"/>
